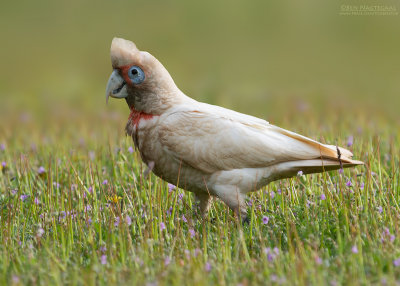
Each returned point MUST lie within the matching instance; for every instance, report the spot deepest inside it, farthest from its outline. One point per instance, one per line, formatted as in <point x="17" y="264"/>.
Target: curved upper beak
<point x="116" y="86"/>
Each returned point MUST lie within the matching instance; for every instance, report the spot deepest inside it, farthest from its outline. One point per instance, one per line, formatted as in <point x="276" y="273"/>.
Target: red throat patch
<point x="135" y="116"/>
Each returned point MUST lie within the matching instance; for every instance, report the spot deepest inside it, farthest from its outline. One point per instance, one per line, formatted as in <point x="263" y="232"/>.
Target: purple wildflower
<point x="128" y="220"/>
<point x="318" y="260"/>
<point x="272" y="194"/>
<point x="162" y="226"/>
<point x="396" y="262"/>
<point x="57" y="185"/>
<point x="36" y="201"/>
<point x="33" y="147"/>
<point x="386" y="234"/>
<point x="63" y="215"/>
<point x="139" y="261"/>
<point x="103" y="259"/>
<point x="350" y="140"/>
<point x="87" y="208"/>
<point x="197" y="251"/>
<point x="167" y="261"/>
<point x="354" y="249"/>
<point x="103" y="249"/>
<point x="207" y="267"/>
<point x="362" y="186"/>
<point x="187" y="253"/>
<point x="274" y="278"/>
<point x="380" y="209"/>
<point x="250" y="203"/>
<point x="15" y="279"/>
<point x="105" y="182"/>
<point x="41" y="170"/>
<point x="180" y="197"/>
<point x="184" y="218"/>
<point x="279" y="191"/>
<point x="130" y="149"/>
<point x="348" y="183"/>
<point x="322" y="197"/>
<point x="92" y="155"/>
<point x="265" y="219"/>
<point x="169" y="211"/>
<point x="116" y="221"/>
<point x="40" y="232"/>
<point x="89" y="221"/>
<point x="171" y="187"/>
<point x="2" y="147"/>
<point x="90" y="190"/>
<point x="271" y="253"/>
<point x="341" y="171"/>
<point x="192" y="232"/>
<point x="23" y="197"/>
<point x="3" y="164"/>
<point x="299" y="173"/>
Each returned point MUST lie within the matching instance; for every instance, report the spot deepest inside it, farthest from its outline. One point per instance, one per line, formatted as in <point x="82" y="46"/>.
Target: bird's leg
<point x="204" y="203"/>
<point x="231" y="196"/>
<point x="241" y="213"/>
<point x="150" y="168"/>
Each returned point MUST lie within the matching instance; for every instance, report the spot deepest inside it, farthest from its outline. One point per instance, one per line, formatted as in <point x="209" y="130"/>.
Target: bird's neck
<point x="157" y="103"/>
<point x="135" y="116"/>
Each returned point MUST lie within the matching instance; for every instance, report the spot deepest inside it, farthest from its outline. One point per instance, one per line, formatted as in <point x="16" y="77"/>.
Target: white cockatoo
<point x="206" y="149"/>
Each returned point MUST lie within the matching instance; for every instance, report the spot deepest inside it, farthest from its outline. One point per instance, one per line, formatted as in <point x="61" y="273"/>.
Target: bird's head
<point x="139" y="78"/>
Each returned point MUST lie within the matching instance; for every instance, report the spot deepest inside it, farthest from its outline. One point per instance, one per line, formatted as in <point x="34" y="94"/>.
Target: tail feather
<point x="328" y="158"/>
<point x="291" y="168"/>
<point x="326" y="151"/>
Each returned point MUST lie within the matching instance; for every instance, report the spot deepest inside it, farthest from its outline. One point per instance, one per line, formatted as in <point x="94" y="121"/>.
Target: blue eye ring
<point x="136" y="74"/>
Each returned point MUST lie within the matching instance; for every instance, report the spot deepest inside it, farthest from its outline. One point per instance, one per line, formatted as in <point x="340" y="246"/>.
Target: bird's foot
<point x="245" y="220"/>
<point x="213" y="220"/>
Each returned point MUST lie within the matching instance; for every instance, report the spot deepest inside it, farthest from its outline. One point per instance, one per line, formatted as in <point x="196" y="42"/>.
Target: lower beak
<point x="116" y="86"/>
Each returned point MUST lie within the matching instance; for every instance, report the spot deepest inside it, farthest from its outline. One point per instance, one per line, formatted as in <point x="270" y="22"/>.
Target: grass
<point x="90" y="216"/>
<point x="301" y="66"/>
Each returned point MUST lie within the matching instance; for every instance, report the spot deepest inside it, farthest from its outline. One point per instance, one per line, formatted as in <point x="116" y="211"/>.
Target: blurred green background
<point x="277" y="60"/>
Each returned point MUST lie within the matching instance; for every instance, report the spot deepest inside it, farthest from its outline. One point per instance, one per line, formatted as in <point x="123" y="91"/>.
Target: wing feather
<point x="216" y="139"/>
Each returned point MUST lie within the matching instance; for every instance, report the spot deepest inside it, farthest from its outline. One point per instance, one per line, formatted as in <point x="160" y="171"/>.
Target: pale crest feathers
<point x="122" y="52"/>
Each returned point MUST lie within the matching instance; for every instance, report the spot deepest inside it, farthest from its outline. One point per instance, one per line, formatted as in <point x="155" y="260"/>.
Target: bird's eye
<point x="136" y="74"/>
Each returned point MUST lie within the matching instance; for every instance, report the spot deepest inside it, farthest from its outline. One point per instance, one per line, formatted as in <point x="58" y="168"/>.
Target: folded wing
<point x="215" y="139"/>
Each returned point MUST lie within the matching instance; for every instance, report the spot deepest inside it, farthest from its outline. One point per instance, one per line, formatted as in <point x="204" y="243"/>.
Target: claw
<point x="245" y="220"/>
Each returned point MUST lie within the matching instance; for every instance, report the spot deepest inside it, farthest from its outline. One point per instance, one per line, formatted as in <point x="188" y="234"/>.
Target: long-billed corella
<point x="203" y="148"/>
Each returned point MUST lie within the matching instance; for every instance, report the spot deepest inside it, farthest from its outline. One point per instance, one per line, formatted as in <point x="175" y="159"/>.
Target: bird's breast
<point x="141" y="127"/>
